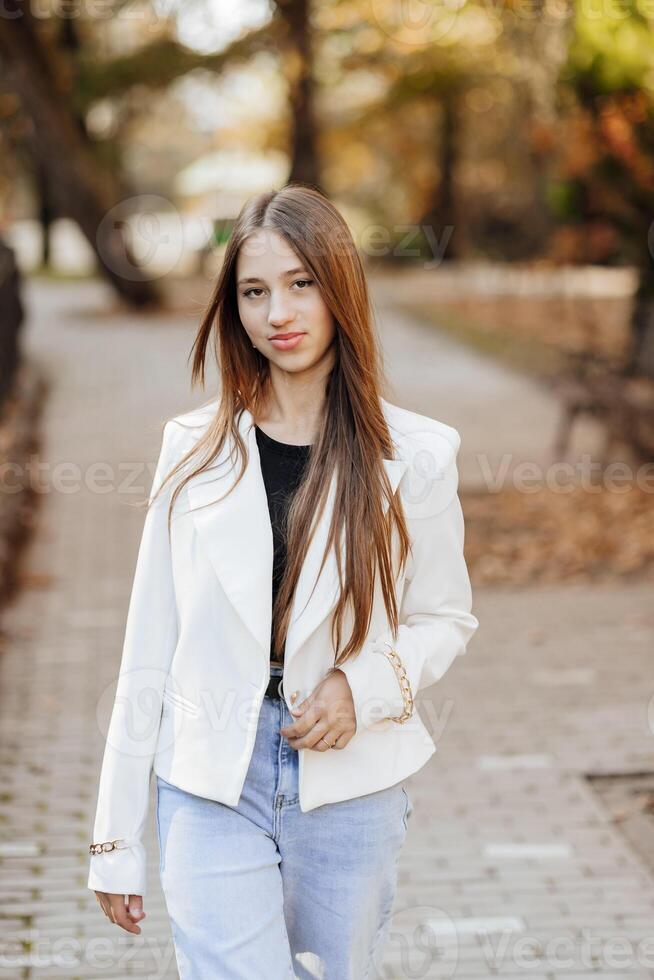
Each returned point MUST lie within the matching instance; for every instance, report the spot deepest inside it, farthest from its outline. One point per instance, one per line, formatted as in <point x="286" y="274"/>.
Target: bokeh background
<point x="495" y="162"/>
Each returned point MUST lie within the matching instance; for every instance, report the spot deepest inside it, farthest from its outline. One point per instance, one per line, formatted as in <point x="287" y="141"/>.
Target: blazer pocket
<point x="180" y="702"/>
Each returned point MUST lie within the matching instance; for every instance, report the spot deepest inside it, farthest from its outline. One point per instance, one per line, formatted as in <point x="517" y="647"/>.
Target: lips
<point x="286" y="341"/>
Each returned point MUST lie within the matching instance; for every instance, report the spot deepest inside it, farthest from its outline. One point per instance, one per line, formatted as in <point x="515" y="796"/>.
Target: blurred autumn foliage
<point x="514" y="538"/>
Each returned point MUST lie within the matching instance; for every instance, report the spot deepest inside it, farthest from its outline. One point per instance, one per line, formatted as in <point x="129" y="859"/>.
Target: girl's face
<point x="280" y="305"/>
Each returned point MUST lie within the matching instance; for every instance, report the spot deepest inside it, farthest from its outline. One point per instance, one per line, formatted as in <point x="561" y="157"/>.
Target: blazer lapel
<point x="236" y="532"/>
<point x="237" y="536"/>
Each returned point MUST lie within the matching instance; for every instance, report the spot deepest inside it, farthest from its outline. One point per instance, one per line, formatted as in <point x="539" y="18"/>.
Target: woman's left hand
<point x="326" y="718"/>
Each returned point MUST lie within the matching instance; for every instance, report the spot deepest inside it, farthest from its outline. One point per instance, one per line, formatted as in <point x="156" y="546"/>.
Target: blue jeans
<point x="263" y="891"/>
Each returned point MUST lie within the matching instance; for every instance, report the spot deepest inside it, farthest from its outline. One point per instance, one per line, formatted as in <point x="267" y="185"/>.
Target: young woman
<point x="300" y="578"/>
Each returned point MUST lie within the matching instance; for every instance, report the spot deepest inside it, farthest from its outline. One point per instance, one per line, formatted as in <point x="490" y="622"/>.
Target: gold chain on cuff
<point x="403" y="681"/>
<point x="108" y="845"/>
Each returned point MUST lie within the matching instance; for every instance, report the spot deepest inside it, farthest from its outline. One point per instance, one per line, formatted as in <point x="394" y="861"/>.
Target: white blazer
<point x="196" y="655"/>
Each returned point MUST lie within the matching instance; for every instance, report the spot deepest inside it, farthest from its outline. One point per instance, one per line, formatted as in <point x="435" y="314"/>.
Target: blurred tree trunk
<point x="295" y="16"/>
<point x="538" y="46"/>
<point x="77" y="188"/>
<point x="642" y="323"/>
<point x="13" y="314"/>
<point x="46" y="212"/>
<point x="441" y="214"/>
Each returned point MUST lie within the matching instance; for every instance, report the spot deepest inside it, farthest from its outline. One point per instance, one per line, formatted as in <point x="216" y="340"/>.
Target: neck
<point x="294" y="409"/>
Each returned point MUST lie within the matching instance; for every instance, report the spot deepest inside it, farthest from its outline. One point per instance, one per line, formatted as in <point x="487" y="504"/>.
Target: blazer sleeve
<point x="149" y="642"/>
<point x="436" y="621"/>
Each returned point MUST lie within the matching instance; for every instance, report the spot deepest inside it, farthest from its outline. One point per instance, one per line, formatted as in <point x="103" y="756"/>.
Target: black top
<point x="282" y="466"/>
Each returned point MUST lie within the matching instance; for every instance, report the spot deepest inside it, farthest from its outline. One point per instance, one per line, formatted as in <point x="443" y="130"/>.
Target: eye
<point x="258" y="290"/>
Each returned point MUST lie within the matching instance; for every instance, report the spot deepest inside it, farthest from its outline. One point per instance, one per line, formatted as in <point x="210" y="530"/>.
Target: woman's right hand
<point x="125" y="915"/>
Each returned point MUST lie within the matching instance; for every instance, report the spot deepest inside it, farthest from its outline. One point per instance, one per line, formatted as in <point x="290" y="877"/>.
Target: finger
<point x="121" y="915"/>
<point x="343" y="739"/>
<point x="312" y="740"/>
<point x="329" y="740"/>
<point x="336" y="736"/>
<point x="103" y="901"/>
<point x="307" y="738"/>
<point x="321" y="739"/>
<point x="135" y="906"/>
<point x="122" y="918"/>
<point x="339" y="736"/>
<point x="304" y="724"/>
<point x="298" y="709"/>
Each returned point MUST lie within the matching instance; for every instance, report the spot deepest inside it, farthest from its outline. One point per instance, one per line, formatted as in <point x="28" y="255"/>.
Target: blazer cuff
<point x="375" y="687"/>
<point x="122" y="871"/>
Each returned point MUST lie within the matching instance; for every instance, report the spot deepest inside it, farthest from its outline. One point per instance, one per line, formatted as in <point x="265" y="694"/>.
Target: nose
<point x="280" y="311"/>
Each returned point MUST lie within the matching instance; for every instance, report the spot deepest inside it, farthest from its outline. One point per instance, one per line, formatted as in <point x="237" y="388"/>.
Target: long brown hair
<point x="353" y="438"/>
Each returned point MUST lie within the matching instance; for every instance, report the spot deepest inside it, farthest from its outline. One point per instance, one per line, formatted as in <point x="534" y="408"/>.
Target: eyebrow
<point x="284" y="275"/>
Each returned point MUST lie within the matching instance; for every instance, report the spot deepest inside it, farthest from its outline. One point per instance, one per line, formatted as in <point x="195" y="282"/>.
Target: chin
<point x="295" y="367"/>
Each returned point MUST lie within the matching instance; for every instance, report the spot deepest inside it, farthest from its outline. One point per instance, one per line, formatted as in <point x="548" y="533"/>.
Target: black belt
<point x="273" y="685"/>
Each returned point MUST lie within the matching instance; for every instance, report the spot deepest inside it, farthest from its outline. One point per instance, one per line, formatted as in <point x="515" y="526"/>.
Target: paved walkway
<point x="512" y="862"/>
<point x="505" y="418"/>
